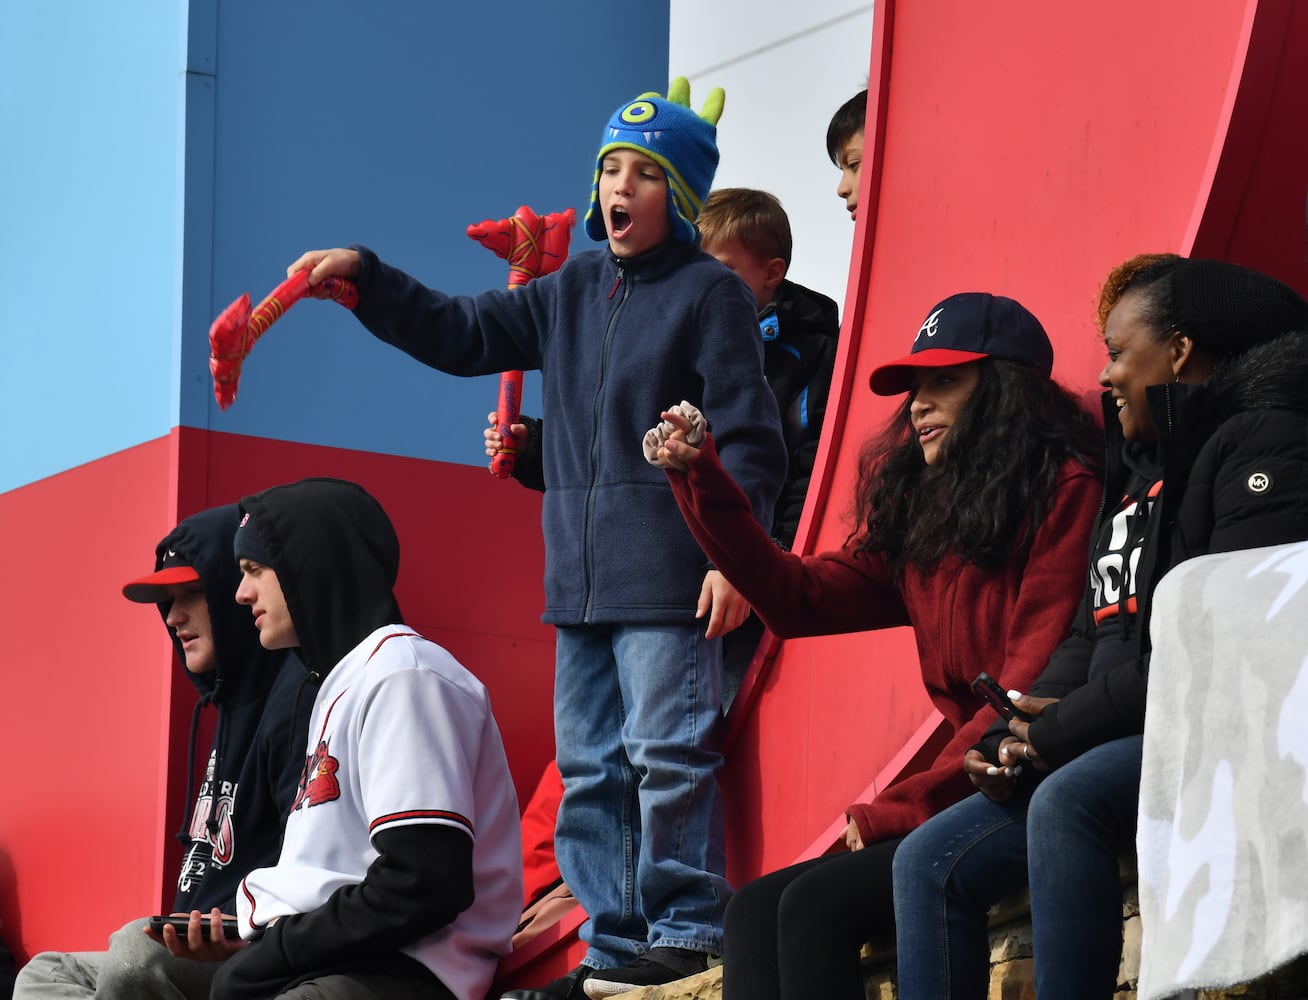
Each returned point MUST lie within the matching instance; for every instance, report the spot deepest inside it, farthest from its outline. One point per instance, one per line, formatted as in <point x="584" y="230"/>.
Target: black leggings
<point x="796" y="933"/>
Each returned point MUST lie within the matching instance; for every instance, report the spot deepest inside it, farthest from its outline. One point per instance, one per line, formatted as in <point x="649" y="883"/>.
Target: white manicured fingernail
<point x="992" y="771"/>
<point x="1015" y="694"/>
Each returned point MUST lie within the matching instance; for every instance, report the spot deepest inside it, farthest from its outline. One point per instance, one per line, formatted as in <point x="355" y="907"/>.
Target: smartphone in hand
<point x="182" y="925"/>
<point x="995" y="695"/>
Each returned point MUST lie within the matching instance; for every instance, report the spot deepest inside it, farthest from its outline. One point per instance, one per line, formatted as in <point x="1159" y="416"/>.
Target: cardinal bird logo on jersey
<point x="318" y="782"/>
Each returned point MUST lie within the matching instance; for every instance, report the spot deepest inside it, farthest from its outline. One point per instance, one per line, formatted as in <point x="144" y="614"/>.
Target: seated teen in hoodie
<point x="400" y="874"/>
<point x="235" y="822"/>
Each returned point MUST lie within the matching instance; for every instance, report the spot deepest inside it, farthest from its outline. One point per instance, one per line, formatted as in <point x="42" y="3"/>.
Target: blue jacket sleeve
<point x="491" y="332"/>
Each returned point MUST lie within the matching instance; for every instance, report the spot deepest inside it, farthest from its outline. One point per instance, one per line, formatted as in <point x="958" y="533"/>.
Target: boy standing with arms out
<point x="400" y="871"/>
<point x="638" y="679"/>
<point x="235" y="822"/>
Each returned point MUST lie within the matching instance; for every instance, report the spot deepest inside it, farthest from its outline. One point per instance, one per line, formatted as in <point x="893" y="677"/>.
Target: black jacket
<point x="234" y="824"/>
<point x="798" y="364"/>
<point x="1235" y="476"/>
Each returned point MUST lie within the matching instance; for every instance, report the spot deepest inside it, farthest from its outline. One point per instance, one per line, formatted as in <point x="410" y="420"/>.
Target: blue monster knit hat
<point x="682" y="142"/>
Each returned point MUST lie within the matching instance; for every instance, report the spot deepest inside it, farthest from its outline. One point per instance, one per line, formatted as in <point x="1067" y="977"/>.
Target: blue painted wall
<point x="168" y="163"/>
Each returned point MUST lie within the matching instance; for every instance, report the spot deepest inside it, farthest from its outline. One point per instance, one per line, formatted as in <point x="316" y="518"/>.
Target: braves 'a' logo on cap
<point x="930" y="326"/>
<point x="318" y="782"/>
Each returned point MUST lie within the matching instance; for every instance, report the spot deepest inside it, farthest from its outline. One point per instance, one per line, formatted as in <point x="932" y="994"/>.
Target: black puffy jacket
<point x="1235" y="476"/>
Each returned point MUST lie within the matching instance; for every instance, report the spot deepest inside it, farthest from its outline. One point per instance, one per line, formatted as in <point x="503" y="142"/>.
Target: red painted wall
<point x="471" y="563"/>
<point x="95" y="714"/>
<point x="1022" y="149"/>
<point x="88" y="679"/>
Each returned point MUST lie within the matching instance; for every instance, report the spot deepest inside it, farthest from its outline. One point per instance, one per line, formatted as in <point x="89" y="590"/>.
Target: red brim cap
<point x="153" y="589"/>
<point x="892" y="378"/>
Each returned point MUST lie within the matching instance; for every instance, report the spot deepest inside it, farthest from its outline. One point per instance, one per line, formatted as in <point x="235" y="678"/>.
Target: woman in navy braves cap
<point x="976" y="496"/>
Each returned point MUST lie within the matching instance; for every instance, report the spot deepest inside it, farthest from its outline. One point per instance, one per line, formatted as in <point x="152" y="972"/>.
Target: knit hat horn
<point x="682" y="142"/>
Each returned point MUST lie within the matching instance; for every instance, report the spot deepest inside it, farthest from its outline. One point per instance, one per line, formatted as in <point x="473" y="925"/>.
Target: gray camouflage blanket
<point x="1223" y="835"/>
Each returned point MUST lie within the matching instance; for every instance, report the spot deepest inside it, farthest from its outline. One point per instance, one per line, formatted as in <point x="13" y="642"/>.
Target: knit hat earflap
<point x="682" y="142"/>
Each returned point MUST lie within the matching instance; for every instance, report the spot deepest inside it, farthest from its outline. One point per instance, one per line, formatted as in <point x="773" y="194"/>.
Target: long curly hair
<point x="990" y="489"/>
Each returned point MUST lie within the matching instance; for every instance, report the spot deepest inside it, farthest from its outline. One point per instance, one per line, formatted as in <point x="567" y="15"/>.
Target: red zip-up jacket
<point x="1005" y="621"/>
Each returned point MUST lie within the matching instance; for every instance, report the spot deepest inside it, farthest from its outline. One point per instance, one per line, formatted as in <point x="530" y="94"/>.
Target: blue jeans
<point x="640" y="838"/>
<point x="1062" y="838"/>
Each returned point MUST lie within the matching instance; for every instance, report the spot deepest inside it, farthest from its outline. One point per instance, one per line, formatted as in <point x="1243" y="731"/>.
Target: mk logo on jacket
<point x="318" y="782"/>
<point x="1113" y="572"/>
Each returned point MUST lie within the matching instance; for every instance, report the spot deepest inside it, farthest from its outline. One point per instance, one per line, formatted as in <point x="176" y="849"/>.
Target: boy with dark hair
<point x="638" y="678"/>
<point x="845" y="147"/>
<point x="235" y="821"/>
<point x="400" y="872"/>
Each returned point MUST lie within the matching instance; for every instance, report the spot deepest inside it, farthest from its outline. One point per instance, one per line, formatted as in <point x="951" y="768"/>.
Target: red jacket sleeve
<point x="1052" y="583"/>
<point x="840" y="591"/>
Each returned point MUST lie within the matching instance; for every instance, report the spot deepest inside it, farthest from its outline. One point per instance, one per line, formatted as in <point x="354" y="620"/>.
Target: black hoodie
<point x="235" y="822"/>
<point x="336" y="557"/>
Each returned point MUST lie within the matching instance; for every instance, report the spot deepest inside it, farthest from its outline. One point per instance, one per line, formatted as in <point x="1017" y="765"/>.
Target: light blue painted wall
<point x="392" y="124"/>
<point x="90" y="122"/>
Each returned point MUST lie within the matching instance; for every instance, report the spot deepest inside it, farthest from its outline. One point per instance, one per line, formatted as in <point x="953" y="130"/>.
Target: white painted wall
<point x="786" y="67"/>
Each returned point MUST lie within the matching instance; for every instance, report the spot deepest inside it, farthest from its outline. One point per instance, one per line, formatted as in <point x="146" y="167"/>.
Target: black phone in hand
<point x="182" y="925"/>
<point x="997" y="698"/>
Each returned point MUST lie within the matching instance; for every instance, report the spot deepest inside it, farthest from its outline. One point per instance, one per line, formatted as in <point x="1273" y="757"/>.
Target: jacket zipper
<point x="596" y="412"/>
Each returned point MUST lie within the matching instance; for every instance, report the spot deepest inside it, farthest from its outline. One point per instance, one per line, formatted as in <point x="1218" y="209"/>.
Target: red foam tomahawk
<point x="237" y="327"/>
<point x="533" y="245"/>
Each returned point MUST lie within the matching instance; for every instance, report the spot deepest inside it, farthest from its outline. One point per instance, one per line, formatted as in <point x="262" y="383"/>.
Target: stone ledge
<point x="703" y="986"/>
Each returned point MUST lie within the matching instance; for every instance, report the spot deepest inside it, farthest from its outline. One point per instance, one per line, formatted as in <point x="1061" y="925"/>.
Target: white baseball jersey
<point x="401" y="733"/>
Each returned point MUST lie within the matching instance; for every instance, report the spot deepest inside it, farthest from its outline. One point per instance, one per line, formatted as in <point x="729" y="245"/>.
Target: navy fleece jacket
<point x="617" y="342"/>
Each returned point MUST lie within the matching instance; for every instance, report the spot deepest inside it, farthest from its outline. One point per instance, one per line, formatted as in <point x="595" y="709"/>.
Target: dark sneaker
<point x="655" y="968"/>
<point x="564" y="988"/>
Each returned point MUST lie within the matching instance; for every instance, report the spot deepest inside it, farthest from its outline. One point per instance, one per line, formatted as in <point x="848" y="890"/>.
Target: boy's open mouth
<point x="619" y="222"/>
